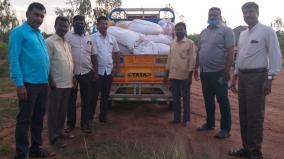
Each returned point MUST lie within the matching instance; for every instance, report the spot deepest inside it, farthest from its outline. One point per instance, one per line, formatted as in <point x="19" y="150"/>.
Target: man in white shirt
<point x="85" y="70"/>
<point x="259" y="61"/>
<point x="108" y="64"/>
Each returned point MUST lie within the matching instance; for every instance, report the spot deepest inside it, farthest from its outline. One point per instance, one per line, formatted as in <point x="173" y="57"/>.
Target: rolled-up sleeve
<point x="229" y="38"/>
<point x="115" y="46"/>
<point x="15" y="50"/>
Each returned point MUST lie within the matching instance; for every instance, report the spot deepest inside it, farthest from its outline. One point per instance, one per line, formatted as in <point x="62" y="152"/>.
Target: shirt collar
<point x="254" y="27"/>
<point x="85" y="34"/>
<point x="29" y="27"/>
<point x="183" y="40"/>
<point x="57" y="37"/>
<point x="102" y="35"/>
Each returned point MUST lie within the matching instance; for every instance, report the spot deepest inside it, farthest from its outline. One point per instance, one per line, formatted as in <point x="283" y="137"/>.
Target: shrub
<point x="3" y="50"/>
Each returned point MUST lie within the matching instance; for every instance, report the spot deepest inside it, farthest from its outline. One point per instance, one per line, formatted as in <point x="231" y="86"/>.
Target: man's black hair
<point x="36" y="5"/>
<point x="251" y="5"/>
<point x="61" y="18"/>
<point x="101" y="18"/>
<point x="78" y="17"/>
<point x="181" y="24"/>
<point x="215" y="8"/>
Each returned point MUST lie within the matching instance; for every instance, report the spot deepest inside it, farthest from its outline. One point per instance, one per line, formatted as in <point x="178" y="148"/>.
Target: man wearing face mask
<point x="215" y="56"/>
<point x="180" y="65"/>
<point x="85" y="70"/>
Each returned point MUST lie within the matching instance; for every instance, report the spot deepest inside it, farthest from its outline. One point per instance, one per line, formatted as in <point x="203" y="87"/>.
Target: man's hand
<point x="196" y="75"/>
<point x="233" y="86"/>
<point x="226" y="75"/>
<point x="22" y="93"/>
<point x="74" y="81"/>
<point x="96" y="76"/>
<point x="52" y="85"/>
<point x="115" y="70"/>
<point x="166" y="78"/>
<point x="267" y="87"/>
<point x="190" y="78"/>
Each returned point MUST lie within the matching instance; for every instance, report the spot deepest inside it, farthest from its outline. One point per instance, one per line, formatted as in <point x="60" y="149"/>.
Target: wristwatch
<point x="270" y="77"/>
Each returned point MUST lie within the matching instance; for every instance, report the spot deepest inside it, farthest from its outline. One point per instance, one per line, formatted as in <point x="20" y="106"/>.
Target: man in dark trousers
<point x="29" y="68"/>
<point x="108" y="64"/>
<point x="215" y="56"/>
<point x="258" y="62"/>
<point x="85" y="70"/>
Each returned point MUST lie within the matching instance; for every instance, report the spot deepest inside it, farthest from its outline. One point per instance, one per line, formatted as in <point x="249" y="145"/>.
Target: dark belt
<point x="35" y="84"/>
<point x="256" y="70"/>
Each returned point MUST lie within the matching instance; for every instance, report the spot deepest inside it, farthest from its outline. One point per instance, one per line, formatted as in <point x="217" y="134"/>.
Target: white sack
<point x="168" y="26"/>
<point x="123" y="24"/>
<point x="145" y="27"/>
<point x="145" y="47"/>
<point x="125" y="37"/>
<point x="124" y="49"/>
<point x="163" y="49"/>
<point x="161" y="38"/>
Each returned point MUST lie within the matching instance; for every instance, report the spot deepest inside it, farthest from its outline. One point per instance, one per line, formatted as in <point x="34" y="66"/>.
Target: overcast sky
<point x="195" y="11"/>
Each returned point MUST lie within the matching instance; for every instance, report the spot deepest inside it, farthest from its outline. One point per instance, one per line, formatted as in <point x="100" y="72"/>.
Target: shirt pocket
<point x="110" y="47"/>
<point x="183" y="52"/>
<point x="254" y="47"/>
<point x="88" y="47"/>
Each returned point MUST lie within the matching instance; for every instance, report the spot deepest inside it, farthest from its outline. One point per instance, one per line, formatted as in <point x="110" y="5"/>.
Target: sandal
<point x="59" y="144"/>
<point x="41" y="153"/>
<point x="69" y="129"/>
<point x="66" y="136"/>
<point x="240" y="153"/>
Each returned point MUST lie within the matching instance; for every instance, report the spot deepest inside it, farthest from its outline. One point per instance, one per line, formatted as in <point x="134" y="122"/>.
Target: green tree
<point x="8" y="19"/>
<point x="278" y="24"/>
<point x="77" y="7"/>
<point x="194" y="38"/>
<point x="84" y="7"/>
<point x="104" y="7"/>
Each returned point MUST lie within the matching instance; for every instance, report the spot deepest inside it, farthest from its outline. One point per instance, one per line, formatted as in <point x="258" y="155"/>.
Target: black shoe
<point x="222" y="134"/>
<point x="86" y="130"/>
<point x="184" y="124"/>
<point x="103" y="120"/>
<point x="41" y="153"/>
<point x="58" y="144"/>
<point x="174" y="122"/>
<point x="69" y="129"/>
<point x="240" y="153"/>
<point x="255" y="157"/>
<point x="205" y="127"/>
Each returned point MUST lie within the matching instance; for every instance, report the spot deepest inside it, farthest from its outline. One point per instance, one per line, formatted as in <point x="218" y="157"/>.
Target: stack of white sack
<point x="126" y="37"/>
<point x="141" y="37"/>
<point x="145" y="27"/>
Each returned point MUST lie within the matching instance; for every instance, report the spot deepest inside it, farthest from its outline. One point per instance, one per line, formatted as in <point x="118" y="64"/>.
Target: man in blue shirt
<point x="29" y="68"/>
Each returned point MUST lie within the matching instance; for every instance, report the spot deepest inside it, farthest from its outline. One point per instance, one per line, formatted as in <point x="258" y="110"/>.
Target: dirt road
<point x="150" y="122"/>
